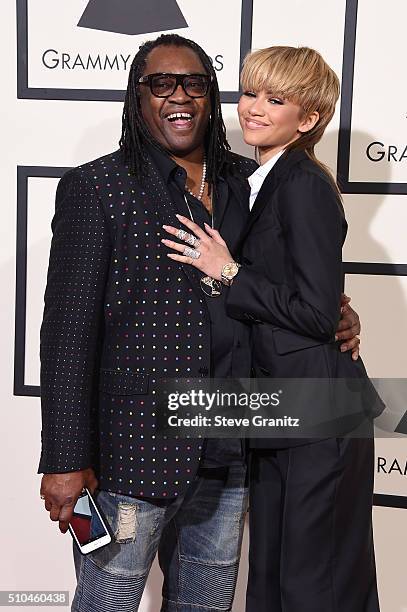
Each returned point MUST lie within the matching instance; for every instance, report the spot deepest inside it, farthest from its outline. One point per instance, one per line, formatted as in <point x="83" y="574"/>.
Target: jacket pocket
<point x="287" y="342"/>
<point x="116" y="382"/>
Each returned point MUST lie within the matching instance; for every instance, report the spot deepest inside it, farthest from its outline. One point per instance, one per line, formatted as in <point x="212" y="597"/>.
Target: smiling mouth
<point x="180" y="120"/>
<point x="254" y="125"/>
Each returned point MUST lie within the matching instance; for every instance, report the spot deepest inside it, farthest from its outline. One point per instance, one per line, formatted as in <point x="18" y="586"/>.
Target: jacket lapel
<point x="158" y="193"/>
<point x="270" y="184"/>
<point x="241" y="191"/>
<point x="220" y="203"/>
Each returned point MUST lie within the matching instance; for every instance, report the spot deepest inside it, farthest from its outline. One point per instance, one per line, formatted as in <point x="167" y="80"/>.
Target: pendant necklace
<point x="210" y="286"/>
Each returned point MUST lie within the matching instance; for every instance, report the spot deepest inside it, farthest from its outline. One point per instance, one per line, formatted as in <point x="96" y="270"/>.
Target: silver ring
<point x="188" y="252"/>
<point x="193" y="241"/>
<point x="181" y="234"/>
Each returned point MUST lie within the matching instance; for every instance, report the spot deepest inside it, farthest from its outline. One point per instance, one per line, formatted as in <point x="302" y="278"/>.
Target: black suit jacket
<point x="118" y="316"/>
<point x="290" y="284"/>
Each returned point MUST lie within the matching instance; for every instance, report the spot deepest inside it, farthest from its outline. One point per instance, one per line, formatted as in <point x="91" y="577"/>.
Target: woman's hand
<point x="212" y="249"/>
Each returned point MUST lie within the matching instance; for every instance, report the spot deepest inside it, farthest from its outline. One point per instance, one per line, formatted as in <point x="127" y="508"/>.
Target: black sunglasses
<point x="163" y="84"/>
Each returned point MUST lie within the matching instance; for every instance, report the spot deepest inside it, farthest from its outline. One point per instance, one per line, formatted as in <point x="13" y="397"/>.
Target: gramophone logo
<point x="132" y="16"/>
<point x="83" y="49"/>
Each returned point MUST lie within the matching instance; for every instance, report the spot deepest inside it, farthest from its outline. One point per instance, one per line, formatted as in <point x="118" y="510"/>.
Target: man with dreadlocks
<point x="119" y="314"/>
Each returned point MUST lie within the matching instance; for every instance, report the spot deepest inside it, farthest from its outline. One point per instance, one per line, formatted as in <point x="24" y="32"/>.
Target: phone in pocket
<point x="87" y="526"/>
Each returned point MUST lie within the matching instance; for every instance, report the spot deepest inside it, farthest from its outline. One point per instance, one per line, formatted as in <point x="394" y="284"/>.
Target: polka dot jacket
<point x="118" y="316"/>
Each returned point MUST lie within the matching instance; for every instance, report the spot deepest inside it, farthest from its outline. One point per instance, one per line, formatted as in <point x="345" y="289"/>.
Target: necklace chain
<point x="200" y="194"/>
<point x="202" y="185"/>
<point x="190" y="212"/>
<point x="209" y="285"/>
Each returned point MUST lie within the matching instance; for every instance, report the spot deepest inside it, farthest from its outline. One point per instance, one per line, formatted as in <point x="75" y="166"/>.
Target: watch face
<point x="230" y="270"/>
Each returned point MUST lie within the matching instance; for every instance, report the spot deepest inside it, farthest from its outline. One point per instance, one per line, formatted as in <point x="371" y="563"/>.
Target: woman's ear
<point x="309" y="122"/>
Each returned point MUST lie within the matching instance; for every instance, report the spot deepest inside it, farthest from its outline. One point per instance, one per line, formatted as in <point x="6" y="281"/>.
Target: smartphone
<point x="87" y="526"/>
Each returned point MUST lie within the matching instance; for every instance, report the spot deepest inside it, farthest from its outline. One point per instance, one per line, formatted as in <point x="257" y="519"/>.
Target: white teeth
<point x="179" y="116"/>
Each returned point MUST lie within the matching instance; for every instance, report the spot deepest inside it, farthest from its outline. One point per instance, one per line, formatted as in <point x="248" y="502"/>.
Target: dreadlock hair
<point x="135" y="131"/>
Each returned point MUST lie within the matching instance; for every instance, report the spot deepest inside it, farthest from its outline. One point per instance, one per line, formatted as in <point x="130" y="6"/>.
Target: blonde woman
<point x="311" y="547"/>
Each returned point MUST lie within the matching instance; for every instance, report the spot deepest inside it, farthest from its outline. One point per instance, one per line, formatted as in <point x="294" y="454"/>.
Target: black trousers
<point x="311" y="544"/>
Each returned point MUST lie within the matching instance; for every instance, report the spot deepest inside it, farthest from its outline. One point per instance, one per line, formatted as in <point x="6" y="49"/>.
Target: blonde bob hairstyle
<point x="301" y="76"/>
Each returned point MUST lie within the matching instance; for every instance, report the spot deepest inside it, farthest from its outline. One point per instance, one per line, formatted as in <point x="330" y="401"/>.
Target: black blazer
<point x="118" y="316"/>
<point x="291" y="280"/>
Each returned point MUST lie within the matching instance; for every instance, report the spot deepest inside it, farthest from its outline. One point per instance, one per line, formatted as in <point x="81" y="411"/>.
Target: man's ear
<point x="309" y="122"/>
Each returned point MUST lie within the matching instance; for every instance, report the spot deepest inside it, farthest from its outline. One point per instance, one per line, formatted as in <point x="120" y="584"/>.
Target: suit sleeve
<point x="70" y="330"/>
<point x="312" y="223"/>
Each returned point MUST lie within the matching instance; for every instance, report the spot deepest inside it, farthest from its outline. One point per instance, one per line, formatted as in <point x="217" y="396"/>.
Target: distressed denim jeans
<point x="198" y="539"/>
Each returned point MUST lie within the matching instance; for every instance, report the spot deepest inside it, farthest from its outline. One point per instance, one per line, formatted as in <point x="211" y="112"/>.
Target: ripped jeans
<point x="198" y="539"/>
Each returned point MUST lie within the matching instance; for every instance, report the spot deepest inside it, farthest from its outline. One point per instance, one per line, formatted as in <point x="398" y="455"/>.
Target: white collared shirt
<point x="256" y="179"/>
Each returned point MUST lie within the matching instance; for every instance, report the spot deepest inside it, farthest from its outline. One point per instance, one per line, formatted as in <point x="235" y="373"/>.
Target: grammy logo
<point x="132" y="16"/>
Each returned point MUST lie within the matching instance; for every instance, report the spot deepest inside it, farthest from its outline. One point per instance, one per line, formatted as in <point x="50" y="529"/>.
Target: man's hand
<point x="61" y="491"/>
<point x="348" y="328"/>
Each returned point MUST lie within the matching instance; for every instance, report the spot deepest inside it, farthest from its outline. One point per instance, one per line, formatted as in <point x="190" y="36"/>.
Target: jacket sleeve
<point x="70" y="330"/>
<point x="312" y="224"/>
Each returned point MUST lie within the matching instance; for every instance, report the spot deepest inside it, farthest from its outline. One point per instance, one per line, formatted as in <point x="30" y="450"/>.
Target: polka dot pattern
<point x="118" y="316"/>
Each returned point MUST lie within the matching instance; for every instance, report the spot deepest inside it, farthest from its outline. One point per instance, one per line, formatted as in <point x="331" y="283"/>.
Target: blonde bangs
<point x="263" y="70"/>
<point x="299" y="75"/>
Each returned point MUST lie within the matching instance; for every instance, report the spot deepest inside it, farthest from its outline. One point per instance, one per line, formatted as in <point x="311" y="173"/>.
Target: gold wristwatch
<point x="229" y="271"/>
